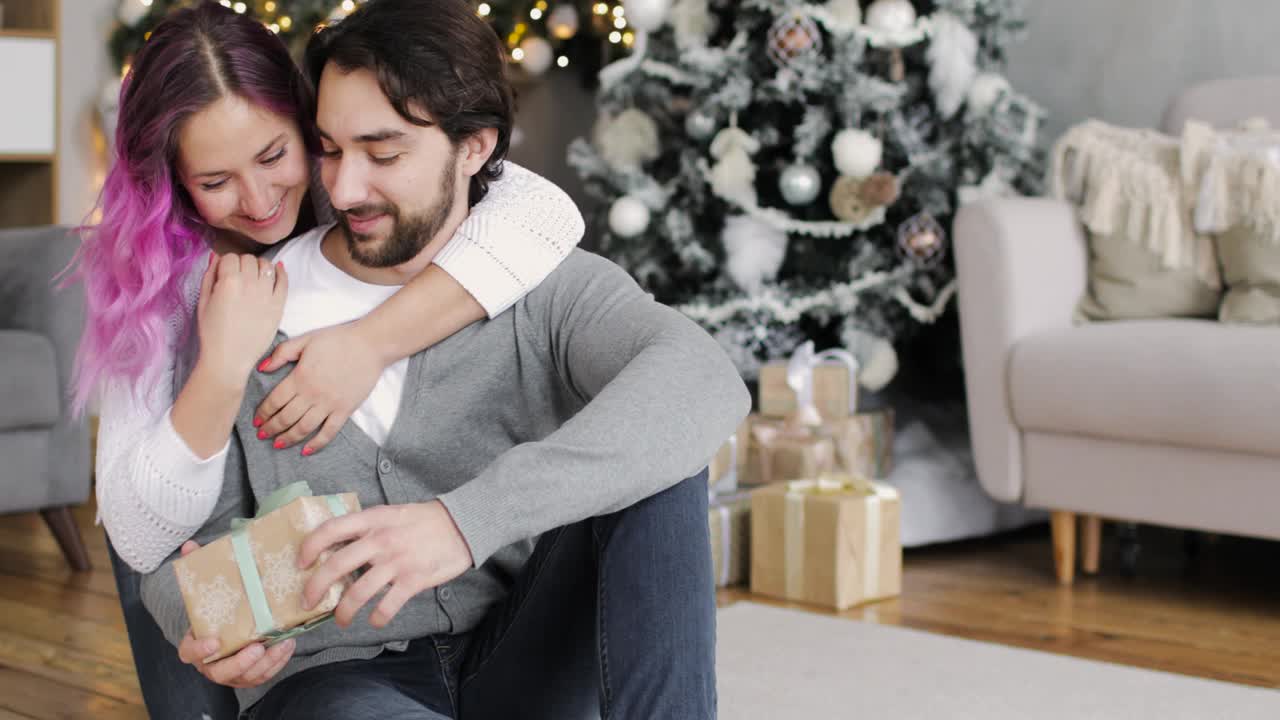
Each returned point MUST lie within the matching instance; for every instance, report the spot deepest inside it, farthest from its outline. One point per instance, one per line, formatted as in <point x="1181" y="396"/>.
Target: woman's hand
<point x="336" y="370"/>
<point x="253" y="665"/>
<point x="241" y="303"/>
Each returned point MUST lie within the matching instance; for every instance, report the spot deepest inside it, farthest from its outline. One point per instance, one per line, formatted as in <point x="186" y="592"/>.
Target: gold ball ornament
<point x="847" y="204"/>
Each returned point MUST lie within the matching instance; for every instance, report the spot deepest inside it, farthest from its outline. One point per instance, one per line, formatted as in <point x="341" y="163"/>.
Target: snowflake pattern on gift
<point x="216" y="604"/>
<point x="313" y="514"/>
<point x="281" y="577"/>
<point x="186" y="579"/>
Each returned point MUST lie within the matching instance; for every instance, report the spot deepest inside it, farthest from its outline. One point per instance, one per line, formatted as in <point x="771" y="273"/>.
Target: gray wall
<point x="1118" y="60"/>
<point x="1123" y="60"/>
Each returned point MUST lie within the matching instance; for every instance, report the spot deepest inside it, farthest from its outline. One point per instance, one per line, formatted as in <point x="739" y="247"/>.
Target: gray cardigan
<point x="584" y="398"/>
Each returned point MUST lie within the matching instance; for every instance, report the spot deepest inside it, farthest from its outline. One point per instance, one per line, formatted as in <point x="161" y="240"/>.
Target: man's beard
<point x="408" y="235"/>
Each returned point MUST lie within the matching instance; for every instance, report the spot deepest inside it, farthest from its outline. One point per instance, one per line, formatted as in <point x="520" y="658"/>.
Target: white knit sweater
<point x="154" y="492"/>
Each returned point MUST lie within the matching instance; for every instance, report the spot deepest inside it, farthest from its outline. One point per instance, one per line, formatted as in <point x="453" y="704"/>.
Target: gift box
<point x="729" y="519"/>
<point x="827" y="380"/>
<point x="246" y="587"/>
<point x="786" y="450"/>
<point x="724" y="473"/>
<point x="832" y="541"/>
<point x="864" y="443"/>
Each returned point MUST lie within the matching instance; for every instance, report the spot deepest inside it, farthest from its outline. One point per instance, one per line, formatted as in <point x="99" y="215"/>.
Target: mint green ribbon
<point x="263" y="622"/>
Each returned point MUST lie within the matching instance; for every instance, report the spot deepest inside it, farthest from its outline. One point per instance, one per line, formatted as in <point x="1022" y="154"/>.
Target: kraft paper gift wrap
<point x="246" y="587"/>
<point x="864" y="443"/>
<point x="826" y="381"/>
<point x="832" y="541"/>
<point x="729" y="519"/>
<point x="724" y="472"/>
<point x="787" y="450"/>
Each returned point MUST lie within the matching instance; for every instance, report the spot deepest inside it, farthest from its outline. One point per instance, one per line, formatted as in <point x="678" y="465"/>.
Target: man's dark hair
<point x="435" y="56"/>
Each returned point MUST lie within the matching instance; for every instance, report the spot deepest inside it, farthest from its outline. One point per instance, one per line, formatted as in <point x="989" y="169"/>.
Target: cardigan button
<point x="384" y="466"/>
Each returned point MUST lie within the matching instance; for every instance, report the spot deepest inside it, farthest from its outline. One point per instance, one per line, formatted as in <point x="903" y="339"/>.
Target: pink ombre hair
<point x="133" y="263"/>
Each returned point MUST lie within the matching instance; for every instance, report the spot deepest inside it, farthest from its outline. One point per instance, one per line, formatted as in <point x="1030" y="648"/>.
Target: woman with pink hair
<point x="215" y="151"/>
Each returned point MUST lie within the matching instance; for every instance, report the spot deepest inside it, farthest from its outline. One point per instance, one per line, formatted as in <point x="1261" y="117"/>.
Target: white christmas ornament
<point x="877" y="360"/>
<point x="538" y="55"/>
<point x="563" y="22"/>
<point x="628" y="217"/>
<point x="754" y="252"/>
<point x="985" y="91"/>
<point x="953" y="59"/>
<point x="693" y="23"/>
<point x="846" y="14"/>
<point x="646" y="15"/>
<point x="891" y="16"/>
<point x="131" y="11"/>
<point x="627" y="140"/>
<point x="733" y="177"/>
<point x="799" y="184"/>
<point x="857" y="153"/>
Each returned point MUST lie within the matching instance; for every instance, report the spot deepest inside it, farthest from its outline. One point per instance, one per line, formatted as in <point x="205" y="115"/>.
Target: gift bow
<point x="800" y="379"/>
<point x="836" y="483"/>
<point x="264" y="623"/>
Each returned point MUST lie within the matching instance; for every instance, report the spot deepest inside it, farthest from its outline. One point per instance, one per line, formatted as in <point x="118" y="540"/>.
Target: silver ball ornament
<point x="800" y="184"/>
<point x="700" y="125"/>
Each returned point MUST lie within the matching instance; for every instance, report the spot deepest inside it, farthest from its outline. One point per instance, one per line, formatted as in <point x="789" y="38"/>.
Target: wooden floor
<point x="64" y="653"/>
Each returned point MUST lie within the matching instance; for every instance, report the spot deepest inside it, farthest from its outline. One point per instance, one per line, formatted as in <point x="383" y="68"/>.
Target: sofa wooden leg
<point x="64" y="528"/>
<point x="1064" y="545"/>
<point x="1090" y="543"/>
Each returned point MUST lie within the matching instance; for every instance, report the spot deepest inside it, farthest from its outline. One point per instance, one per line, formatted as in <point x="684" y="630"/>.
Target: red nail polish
<point x="308" y="452"/>
<point x="262" y="366"/>
<point x="257" y="422"/>
<point x="262" y="434"/>
<point x="279" y="445"/>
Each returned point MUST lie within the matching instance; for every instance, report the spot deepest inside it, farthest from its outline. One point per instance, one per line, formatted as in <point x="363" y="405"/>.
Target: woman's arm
<point x="522" y="230"/>
<point x="153" y="490"/>
<point x="159" y="467"/>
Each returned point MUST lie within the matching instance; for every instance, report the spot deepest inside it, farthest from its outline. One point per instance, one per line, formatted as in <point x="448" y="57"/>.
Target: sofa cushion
<point x="1145" y="258"/>
<point x="28" y="381"/>
<point x="1191" y="383"/>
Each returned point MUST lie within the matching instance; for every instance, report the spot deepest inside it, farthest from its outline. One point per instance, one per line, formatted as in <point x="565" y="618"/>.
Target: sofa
<point x="1167" y="421"/>
<point x="44" y="452"/>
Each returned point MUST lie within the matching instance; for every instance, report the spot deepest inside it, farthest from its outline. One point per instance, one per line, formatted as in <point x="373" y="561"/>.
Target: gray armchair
<point x="1163" y="421"/>
<point x="44" y="453"/>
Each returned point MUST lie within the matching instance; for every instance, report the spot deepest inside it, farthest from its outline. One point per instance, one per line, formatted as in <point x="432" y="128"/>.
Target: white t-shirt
<point x="322" y="295"/>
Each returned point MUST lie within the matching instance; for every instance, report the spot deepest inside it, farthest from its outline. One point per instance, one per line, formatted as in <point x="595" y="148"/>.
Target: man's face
<point x="393" y="184"/>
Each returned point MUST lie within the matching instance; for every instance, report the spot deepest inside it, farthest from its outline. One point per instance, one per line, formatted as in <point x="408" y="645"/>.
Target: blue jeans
<point x="611" y="617"/>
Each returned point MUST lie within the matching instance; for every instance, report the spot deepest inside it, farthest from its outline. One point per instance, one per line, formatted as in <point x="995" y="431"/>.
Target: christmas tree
<point x="784" y="171"/>
<point x="539" y="35"/>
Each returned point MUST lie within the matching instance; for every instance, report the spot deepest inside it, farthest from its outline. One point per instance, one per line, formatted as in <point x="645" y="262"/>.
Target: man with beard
<point x="534" y="539"/>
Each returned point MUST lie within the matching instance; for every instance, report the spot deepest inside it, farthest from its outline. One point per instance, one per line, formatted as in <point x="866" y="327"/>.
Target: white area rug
<point x="777" y="664"/>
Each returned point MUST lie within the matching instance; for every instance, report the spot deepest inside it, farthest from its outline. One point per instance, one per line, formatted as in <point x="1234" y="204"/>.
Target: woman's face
<point x="245" y="168"/>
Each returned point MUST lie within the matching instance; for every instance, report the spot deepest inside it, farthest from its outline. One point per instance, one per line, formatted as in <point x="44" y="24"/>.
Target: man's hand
<point x="250" y="667"/>
<point x="411" y="548"/>
<point x="337" y="369"/>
